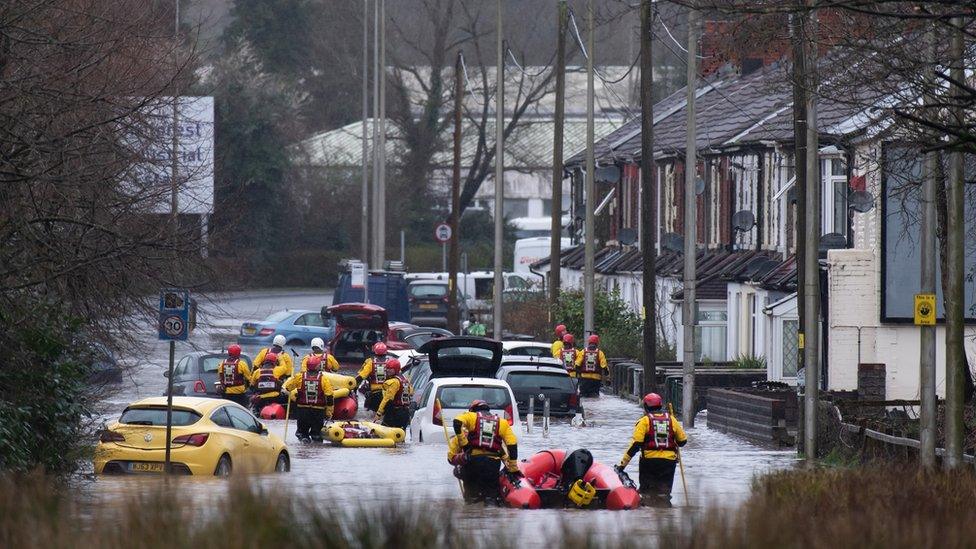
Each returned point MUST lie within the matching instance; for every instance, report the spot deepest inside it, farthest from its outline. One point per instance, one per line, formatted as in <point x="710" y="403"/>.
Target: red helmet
<point x="569" y="339"/>
<point x="479" y="406"/>
<point x="379" y="348"/>
<point x="234" y="351"/>
<point x="271" y="357"/>
<point x="652" y="401"/>
<point x="314" y="362"/>
<point x="593" y="340"/>
<point x="560" y="330"/>
<point x="392" y="367"/>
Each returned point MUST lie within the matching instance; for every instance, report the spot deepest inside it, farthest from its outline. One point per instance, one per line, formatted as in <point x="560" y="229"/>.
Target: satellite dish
<point x="699" y="186"/>
<point x="607" y="174"/>
<point x="627" y="237"/>
<point x="673" y="242"/>
<point x="832" y="241"/>
<point x="861" y="201"/>
<point x="743" y="220"/>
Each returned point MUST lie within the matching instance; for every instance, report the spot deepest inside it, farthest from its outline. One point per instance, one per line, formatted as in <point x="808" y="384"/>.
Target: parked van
<point x="387" y="289"/>
<point x="530" y="250"/>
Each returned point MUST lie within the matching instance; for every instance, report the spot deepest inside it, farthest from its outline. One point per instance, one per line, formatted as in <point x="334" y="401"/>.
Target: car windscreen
<point x="157" y="416"/>
<point x="460" y="396"/>
<point x="531" y="381"/>
<point x="277" y="317"/>
<point x="428" y="290"/>
<point x="465" y="351"/>
<point x="530" y="351"/>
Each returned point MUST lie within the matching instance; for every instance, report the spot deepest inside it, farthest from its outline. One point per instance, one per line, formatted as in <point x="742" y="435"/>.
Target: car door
<point x="235" y="440"/>
<point x="315" y="326"/>
<point x="254" y="447"/>
<point x="180" y="376"/>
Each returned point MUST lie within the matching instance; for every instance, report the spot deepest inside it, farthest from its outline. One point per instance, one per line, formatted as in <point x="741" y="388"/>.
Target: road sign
<point x="174" y="315"/>
<point x="925" y="309"/>
<point x="443" y="232"/>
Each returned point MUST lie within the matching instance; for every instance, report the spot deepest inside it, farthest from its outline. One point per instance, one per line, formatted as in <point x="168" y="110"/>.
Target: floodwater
<point x="719" y="468"/>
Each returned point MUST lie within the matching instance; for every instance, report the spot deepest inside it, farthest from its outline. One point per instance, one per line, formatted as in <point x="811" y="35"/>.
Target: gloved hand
<point x="511" y="466"/>
<point x="623" y="462"/>
<point x="293" y="394"/>
<point x="460" y="440"/>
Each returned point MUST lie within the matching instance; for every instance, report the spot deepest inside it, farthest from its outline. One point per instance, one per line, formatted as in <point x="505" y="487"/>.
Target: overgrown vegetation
<point x="749" y="362"/>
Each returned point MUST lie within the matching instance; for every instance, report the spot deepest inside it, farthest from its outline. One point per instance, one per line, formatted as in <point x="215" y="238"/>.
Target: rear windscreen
<point x="535" y="380"/>
<point x="428" y="290"/>
<point x="461" y="396"/>
<point x="211" y="363"/>
<point x="157" y="416"/>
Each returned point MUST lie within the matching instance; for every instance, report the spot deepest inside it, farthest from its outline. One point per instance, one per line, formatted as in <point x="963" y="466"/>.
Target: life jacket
<point x="378" y="375"/>
<point x="402" y="397"/>
<point x="485" y="435"/>
<point x="232" y="376"/>
<point x="660" y="435"/>
<point x="569" y="358"/>
<point x="591" y="361"/>
<point x="310" y="391"/>
<point x="267" y="380"/>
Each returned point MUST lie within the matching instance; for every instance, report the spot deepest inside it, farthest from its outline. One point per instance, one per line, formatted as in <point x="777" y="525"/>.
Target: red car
<point x="358" y="327"/>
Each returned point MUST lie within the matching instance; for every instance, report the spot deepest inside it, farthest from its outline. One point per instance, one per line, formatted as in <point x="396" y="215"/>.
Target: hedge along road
<point x="719" y="467"/>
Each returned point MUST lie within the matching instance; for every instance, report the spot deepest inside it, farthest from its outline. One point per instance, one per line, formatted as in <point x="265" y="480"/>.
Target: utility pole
<point x="928" y="253"/>
<point x="453" y="319"/>
<point x="555" y="244"/>
<point x="364" y="222"/>
<point x="499" y="286"/>
<point x="590" y="198"/>
<point x="798" y="36"/>
<point x="955" y="245"/>
<point x="376" y="263"/>
<point x="648" y="194"/>
<point x="691" y="226"/>
<point x="380" y="212"/>
<point x="811" y="320"/>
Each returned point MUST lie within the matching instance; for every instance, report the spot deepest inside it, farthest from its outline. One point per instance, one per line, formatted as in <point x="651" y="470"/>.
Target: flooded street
<point x="719" y="468"/>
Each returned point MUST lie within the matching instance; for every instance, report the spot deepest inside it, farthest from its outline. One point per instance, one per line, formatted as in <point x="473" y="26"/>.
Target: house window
<point x="791" y="351"/>
<point x="835" y="194"/>
<point x="711" y="330"/>
<point x="516" y="207"/>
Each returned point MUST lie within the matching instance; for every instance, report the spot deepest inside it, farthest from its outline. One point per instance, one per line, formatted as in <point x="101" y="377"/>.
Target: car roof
<point x="199" y="404"/>
<point x="510" y="360"/>
<point x="485" y="381"/>
<point x="507" y="345"/>
<point x="541" y="367"/>
<point x="428" y="281"/>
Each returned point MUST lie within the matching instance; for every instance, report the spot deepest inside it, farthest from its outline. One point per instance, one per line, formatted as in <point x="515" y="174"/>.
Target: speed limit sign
<point x="442" y="232"/>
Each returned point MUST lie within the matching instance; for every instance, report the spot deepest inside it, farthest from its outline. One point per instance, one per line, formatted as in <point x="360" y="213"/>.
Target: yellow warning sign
<point x="924" y="309"/>
<point x="799" y="340"/>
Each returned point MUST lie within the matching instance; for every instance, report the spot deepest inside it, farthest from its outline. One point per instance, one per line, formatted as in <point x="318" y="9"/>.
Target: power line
<point x="676" y="43"/>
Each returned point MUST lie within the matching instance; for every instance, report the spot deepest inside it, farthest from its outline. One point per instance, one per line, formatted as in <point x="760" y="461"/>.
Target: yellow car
<point x="210" y="437"/>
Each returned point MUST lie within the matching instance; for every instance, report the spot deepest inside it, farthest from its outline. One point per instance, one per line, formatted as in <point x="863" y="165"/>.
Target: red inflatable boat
<point x="542" y="484"/>
<point x="345" y="409"/>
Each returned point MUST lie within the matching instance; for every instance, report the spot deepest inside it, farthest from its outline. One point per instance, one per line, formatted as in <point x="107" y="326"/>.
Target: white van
<point x="530" y="250"/>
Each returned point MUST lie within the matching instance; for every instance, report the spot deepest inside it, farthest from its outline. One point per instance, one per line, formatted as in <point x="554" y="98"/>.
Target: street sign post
<point x="174" y="325"/>
<point x="443" y="233"/>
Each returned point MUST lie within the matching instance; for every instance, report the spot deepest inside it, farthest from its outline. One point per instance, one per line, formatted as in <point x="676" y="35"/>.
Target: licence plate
<point x="428" y="306"/>
<point x="249" y="331"/>
<point x="141" y="467"/>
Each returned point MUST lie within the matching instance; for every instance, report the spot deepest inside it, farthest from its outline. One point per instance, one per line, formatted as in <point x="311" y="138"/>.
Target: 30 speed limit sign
<point x="173" y="326"/>
<point x="443" y="232"/>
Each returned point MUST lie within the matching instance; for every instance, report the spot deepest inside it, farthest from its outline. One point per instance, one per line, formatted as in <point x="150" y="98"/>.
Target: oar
<point x="681" y="465"/>
<point x="447" y="437"/>
<point x="287" y="413"/>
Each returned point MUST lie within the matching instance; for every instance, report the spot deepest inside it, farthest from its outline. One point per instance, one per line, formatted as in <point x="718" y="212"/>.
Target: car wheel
<point x="224" y="467"/>
<point x="295" y="343"/>
<point x="283" y="465"/>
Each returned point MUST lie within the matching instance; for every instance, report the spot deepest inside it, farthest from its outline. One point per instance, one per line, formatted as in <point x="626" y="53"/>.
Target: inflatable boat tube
<point x="543" y="473"/>
<point x="519" y="494"/>
<point x="363" y="434"/>
<point x="345" y="408"/>
<point x="340" y="381"/>
<point x="273" y="411"/>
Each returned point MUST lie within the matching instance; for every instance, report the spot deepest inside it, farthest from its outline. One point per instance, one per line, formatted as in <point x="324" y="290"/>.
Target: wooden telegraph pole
<point x="453" y="318"/>
<point x="555" y="244"/>
<point x="648" y="194"/>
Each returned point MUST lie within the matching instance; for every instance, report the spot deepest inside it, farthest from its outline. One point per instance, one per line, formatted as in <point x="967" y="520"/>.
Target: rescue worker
<point x="477" y="329"/>
<point x="481" y="441"/>
<point x="233" y="376"/>
<point x="312" y="394"/>
<point x="394" y="408"/>
<point x="568" y="354"/>
<point x="591" y="367"/>
<point x="266" y="381"/>
<point x="278" y="348"/>
<point x="319" y="350"/>
<point x="657" y="436"/>
<point x="557" y="346"/>
<point x="374" y="371"/>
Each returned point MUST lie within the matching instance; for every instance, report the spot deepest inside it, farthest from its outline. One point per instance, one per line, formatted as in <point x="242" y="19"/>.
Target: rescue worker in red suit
<point x="591" y="367"/>
<point x="266" y="381"/>
<point x="568" y="354"/>
<point x="233" y="376"/>
<point x="482" y="440"/>
<point x="657" y="436"/>
<point x="557" y="346"/>
<point x="374" y="372"/>
<point x="312" y="394"/>
<point x="394" y="408"/>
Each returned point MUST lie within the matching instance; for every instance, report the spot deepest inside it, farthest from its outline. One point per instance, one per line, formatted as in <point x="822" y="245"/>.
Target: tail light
<point x="198" y="439"/>
<point x="508" y="414"/>
<point x="266" y="331"/>
<point x="199" y="386"/>
<point x="574" y="400"/>
<point x="110" y="436"/>
<point x="438" y="417"/>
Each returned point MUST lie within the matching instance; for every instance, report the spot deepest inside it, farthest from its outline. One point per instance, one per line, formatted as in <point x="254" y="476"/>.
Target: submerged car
<point x="358" y="327"/>
<point x="210" y="437"/>
<point x="541" y="379"/>
<point x="298" y="326"/>
<point x="196" y="373"/>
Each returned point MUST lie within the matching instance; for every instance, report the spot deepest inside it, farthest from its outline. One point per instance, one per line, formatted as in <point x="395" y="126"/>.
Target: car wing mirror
<point x="165" y="373"/>
<point x="263" y="429"/>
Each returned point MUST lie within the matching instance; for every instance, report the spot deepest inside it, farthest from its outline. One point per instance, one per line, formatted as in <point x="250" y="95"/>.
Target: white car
<point x="445" y="398"/>
<point x="527" y="348"/>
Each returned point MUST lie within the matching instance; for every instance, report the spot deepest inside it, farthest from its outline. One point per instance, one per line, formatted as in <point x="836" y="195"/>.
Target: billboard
<point x="901" y="205"/>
